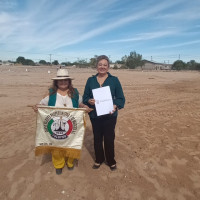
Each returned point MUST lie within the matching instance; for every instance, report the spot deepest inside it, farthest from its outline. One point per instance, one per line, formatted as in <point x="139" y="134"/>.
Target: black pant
<point x="104" y="130"/>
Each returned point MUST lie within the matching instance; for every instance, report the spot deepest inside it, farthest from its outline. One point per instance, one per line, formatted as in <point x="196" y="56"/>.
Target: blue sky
<point x="162" y="31"/>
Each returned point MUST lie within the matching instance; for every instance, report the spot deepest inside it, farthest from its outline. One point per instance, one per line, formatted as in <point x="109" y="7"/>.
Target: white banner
<point x="60" y="128"/>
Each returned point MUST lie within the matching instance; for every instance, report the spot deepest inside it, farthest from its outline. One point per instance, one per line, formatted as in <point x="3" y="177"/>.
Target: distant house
<point x="150" y="65"/>
<point x="115" y="65"/>
<point x="7" y="63"/>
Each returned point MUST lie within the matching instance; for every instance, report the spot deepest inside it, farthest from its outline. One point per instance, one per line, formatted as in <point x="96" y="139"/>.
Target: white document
<point x="103" y="100"/>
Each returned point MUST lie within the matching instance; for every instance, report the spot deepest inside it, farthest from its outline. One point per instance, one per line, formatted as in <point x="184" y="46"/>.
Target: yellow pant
<point x="58" y="159"/>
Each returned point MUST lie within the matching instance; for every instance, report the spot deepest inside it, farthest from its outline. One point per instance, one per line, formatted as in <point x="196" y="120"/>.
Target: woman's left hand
<point x="114" y="109"/>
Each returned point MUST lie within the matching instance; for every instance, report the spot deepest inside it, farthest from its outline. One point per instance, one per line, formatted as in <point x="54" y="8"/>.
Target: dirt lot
<point x="157" y="139"/>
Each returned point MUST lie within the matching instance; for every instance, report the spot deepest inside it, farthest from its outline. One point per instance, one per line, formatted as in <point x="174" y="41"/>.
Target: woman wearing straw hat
<point x="62" y="94"/>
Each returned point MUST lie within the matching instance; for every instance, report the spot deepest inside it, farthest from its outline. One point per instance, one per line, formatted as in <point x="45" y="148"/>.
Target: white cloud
<point x="8" y="4"/>
<point x="180" y="44"/>
<point x="49" y="26"/>
<point x="145" y="36"/>
<point x="45" y="26"/>
<point x="120" y="22"/>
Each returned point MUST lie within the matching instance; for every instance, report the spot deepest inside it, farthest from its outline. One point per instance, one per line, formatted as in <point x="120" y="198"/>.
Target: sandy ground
<point x="157" y="140"/>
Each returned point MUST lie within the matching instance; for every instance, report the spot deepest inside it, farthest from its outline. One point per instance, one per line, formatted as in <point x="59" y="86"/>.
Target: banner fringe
<point x="68" y="152"/>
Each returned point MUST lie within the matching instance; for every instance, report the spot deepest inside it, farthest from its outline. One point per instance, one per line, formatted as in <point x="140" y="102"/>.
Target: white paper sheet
<point x="103" y="100"/>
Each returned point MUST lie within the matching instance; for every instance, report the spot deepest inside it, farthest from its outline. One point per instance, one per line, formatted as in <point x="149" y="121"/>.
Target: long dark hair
<point x="54" y="87"/>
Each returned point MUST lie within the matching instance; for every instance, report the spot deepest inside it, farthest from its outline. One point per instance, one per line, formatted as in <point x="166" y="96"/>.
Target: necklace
<point x="63" y="95"/>
<point x="64" y="101"/>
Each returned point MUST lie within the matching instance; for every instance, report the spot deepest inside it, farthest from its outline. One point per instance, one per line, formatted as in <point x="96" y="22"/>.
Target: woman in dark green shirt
<point x="104" y="126"/>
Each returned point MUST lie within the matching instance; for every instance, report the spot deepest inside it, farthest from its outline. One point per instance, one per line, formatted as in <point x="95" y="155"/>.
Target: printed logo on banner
<point x="60" y="125"/>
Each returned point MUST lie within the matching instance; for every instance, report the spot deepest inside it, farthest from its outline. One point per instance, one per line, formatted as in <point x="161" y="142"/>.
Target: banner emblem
<point x="60" y="125"/>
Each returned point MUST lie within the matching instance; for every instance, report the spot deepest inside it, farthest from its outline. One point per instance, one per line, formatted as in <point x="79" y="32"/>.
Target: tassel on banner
<point x="68" y="152"/>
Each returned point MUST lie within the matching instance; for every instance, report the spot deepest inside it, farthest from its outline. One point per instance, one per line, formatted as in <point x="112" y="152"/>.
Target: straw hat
<point x="62" y="74"/>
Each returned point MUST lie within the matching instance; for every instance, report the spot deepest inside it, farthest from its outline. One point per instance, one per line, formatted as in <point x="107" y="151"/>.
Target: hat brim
<point x="62" y="78"/>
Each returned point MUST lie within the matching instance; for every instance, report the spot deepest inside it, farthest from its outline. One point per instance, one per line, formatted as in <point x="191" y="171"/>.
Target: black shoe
<point x="59" y="171"/>
<point x="113" y="167"/>
<point x="96" y="165"/>
<point x="70" y="168"/>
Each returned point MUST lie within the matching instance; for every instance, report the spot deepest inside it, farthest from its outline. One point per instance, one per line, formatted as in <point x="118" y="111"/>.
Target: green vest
<point x="75" y="99"/>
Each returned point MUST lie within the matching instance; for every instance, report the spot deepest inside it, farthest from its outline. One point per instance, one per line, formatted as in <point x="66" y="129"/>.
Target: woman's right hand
<point x="91" y="101"/>
<point x="35" y="107"/>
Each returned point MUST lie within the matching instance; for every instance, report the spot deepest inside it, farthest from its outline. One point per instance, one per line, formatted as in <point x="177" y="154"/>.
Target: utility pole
<point x="151" y="58"/>
<point x="179" y="57"/>
<point x="50" y="58"/>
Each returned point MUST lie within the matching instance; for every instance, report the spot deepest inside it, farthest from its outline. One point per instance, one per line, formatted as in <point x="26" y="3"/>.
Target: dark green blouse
<point x="116" y="92"/>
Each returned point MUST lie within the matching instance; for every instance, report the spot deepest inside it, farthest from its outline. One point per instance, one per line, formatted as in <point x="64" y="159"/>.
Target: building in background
<point x="150" y="65"/>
